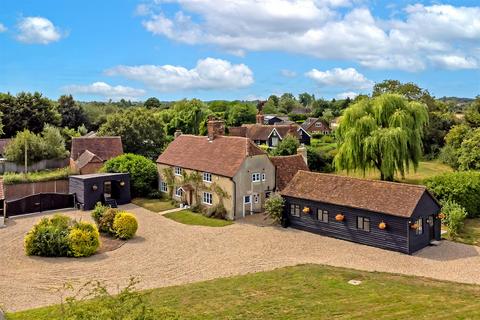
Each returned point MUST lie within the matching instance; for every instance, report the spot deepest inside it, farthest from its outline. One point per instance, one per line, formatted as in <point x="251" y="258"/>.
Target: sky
<point x="236" y="49"/>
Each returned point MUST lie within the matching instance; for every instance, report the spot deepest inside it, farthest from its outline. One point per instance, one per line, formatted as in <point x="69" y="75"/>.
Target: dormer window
<point x="178" y="171"/>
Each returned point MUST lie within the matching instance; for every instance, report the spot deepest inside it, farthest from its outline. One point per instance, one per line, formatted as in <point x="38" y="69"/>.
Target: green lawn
<point x="189" y="217"/>
<point x="154" y="205"/>
<point x="36" y="176"/>
<point x="470" y="233"/>
<point x="310" y="292"/>
<point x="426" y="169"/>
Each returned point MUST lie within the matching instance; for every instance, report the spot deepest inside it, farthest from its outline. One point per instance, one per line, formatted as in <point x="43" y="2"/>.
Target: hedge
<point x="462" y="187"/>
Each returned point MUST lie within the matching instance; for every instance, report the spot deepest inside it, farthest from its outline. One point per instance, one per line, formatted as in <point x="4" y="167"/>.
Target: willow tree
<point x="384" y="133"/>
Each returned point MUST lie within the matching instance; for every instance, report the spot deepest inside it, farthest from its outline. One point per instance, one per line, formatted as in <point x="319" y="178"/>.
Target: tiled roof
<point x="286" y="167"/>
<point x="3" y="144"/>
<point x="308" y="124"/>
<point x="86" y="158"/>
<point x="104" y="147"/>
<point x="262" y="132"/>
<point x="397" y="199"/>
<point x="222" y="155"/>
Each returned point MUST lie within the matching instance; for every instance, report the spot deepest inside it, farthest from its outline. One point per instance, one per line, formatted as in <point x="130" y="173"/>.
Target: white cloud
<point x="37" y="30"/>
<point x="103" y="89"/>
<point x="288" y="73"/>
<point x="340" y="78"/>
<point x="2" y="28"/>
<point x="455" y="62"/>
<point x="320" y="29"/>
<point x="208" y="74"/>
<point x="345" y="95"/>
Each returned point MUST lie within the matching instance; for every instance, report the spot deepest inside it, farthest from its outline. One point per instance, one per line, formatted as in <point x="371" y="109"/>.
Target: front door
<point x="431" y="228"/>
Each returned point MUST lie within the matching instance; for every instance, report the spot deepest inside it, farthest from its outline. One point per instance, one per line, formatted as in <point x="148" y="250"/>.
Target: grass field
<point x="189" y="217"/>
<point x="154" y="205"/>
<point x="310" y="292"/>
<point x="426" y="169"/>
<point x="470" y="234"/>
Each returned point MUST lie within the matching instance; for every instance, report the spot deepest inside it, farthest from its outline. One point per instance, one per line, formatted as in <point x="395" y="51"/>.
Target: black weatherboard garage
<point x="394" y="216"/>
<point x="110" y="188"/>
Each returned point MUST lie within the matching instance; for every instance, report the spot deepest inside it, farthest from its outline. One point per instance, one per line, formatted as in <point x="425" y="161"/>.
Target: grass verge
<point x="155" y="205"/>
<point x="309" y="292"/>
<point x="470" y="233"/>
<point x="191" y="218"/>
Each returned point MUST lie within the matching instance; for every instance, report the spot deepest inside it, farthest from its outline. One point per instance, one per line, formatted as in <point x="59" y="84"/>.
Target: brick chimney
<point x="260" y="117"/>
<point x="303" y="152"/>
<point x="215" y="127"/>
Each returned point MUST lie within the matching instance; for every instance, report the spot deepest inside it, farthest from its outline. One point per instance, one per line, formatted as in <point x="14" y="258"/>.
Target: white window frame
<point x="207" y="198"/>
<point x="322" y="215"/>
<point x="249" y="199"/>
<point x="256" y="177"/>
<point x="264" y="177"/>
<point x="318" y="125"/>
<point x="207" y="177"/>
<point x="419" y="230"/>
<point x="177" y="193"/>
<point x="178" y="171"/>
<point x="363" y="223"/>
<point x="163" y="186"/>
<point x="256" y="198"/>
<point x="295" y="210"/>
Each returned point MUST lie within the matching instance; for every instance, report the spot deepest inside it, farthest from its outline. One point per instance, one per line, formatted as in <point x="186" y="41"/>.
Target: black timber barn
<point x="388" y="215"/>
<point x="100" y="187"/>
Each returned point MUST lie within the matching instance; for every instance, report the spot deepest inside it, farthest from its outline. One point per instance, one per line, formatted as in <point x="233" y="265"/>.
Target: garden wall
<point x="7" y="166"/>
<point x="16" y="191"/>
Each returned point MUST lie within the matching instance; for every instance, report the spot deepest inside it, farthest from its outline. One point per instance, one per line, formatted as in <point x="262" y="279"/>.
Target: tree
<point x="287" y="147"/>
<point x="469" y="152"/>
<point x="472" y="115"/>
<point x="241" y="113"/>
<point x="142" y="131"/>
<point x="454" y="218"/>
<point x="187" y="115"/>
<point x="27" y="111"/>
<point x="287" y="103"/>
<point x="71" y="113"/>
<point x="143" y="172"/>
<point x="152" y="103"/>
<point x="54" y="143"/>
<point x="305" y="99"/>
<point x="384" y="133"/>
<point x="274" y="207"/>
<point x="319" y="106"/>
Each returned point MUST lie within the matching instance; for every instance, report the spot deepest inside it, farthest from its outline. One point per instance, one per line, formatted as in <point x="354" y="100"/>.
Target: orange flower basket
<point x="414" y="226"/>
<point x="339" y="217"/>
<point x="306" y="210"/>
<point x="382" y="225"/>
<point x="441" y="216"/>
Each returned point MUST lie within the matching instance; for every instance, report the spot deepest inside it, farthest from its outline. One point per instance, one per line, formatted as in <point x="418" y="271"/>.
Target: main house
<point x="395" y="216"/>
<point x="270" y="135"/>
<point x="89" y="153"/>
<point x="217" y="169"/>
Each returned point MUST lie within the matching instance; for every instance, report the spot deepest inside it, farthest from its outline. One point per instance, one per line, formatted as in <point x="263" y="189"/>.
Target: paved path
<point x="166" y="253"/>
<point x="171" y="210"/>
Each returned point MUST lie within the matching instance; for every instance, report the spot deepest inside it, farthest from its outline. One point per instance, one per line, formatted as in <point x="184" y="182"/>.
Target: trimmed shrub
<point x="49" y="237"/>
<point x="106" y="221"/>
<point x="274" y="207"/>
<point x="125" y="225"/>
<point x="461" y="187"/>
<point x="83" y="239"/>
<point x="218" y="211"/>
<point x="143" y="172"/>
<point x="99" y="211"/>
<point x="455" y="215"/>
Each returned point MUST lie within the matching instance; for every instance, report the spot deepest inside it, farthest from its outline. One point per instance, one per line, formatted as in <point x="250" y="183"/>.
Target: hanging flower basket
<point x="339" y="217"/>
<point x="382" y="225"/>
<point x="306" y="210"/>
<point x="414" y="226"/>
<point x="441" y="216"/>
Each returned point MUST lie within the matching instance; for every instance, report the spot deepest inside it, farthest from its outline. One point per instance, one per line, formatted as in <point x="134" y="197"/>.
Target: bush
<point x="83" y="239"/>
<point x="274" y="207"/>
<point x="37" y="176"/>
<point x="455" y="215"/>
<point x="49" y="237"/>
<point x="143" y="172"/>
<point x="461" y="187"/>
<point x="125" y="225"/>
<point x="99" y="211"/>
<point x="218" y="211"/>
<point x="155" y="194"/>
<point x="105" y="223"/>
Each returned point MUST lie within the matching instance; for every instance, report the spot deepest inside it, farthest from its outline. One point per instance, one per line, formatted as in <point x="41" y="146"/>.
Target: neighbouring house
<point x="316" y="125"/>
<point x="270" y="135"/>
<point x="89" y="153"/>
<point x="108" y="188"/>
<point x="334" y="123"/>
<point x="217" y="169"/>
<point x="286" y="167"/>
<point x="271" y="119"/>
<point x="394" y="216"/>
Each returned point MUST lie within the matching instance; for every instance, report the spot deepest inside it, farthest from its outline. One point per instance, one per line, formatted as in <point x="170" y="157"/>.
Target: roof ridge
<point x="366" y="179"/>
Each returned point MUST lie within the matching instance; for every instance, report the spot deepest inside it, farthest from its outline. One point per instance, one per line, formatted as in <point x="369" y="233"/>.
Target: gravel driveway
<point x="166" y="253"/>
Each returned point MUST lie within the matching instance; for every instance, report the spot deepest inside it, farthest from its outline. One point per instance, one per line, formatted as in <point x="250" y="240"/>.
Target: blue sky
<point x="237" y="49"/>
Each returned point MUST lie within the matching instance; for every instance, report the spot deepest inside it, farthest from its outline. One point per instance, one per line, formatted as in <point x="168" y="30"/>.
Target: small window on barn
<point x="419" y="230"/>
<point x="295" y="210"/>
<point x="163" y="186"/>
<point x="363" y="223"/>
<point x="322" y="215"/>
<point x="178" y="171"/>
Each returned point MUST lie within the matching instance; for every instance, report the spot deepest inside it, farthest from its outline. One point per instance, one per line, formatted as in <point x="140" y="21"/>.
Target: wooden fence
<point x="21" y="190"/>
